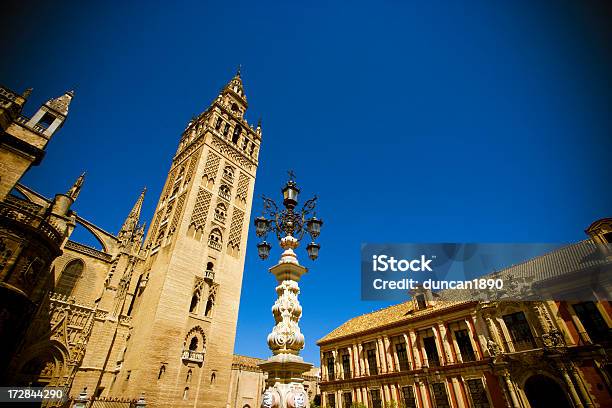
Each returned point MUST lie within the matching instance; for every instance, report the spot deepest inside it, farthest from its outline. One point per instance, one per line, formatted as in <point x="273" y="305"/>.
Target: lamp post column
<point x="284" y="386"/>
<point x="286" y="368"/>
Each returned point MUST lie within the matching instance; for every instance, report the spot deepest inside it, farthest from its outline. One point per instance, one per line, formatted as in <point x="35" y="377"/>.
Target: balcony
<point x="220" y="218"/>
<point x="16" y="211"/>
<point x="209" y="276"/>
<point x="193" y="356"/>
<point x="431" y="362"/>
<point x="214" y="244"/>
<point x="225" y="195"/>
<point x="524" y="344"/>
<point x="228" y="177"/>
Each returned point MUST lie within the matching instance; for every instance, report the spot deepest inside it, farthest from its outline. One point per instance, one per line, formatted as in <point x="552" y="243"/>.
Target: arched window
<point x="236" y="135"/>
<point x="228" y="172"/>
<point x="220" y="212"/>
<point x="195" y="301"/>
<point x="193" y="344"/>
<point x="224" y="192"/>
<point x="69" y="277"/>
<point x="210" y="266"/>
<point x="213" y="378"/>
<point x="215" y="239"/>
<point x="162" y="370"/>
<point x="186" y="393"/>
<point x="209" y="306"/>
<point x="189" y="375"/>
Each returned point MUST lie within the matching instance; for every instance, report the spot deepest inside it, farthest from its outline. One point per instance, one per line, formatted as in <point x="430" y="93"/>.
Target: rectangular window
<point x="421" y="303"/>
<point x="477" y="393"/>
<point x="519" y="331"/>
<point x="465" y="345"/>
<point x="408" y="397"/>
<point x="218" y="124"/>
<point x="347" y="399"/>
<point x="346" y="366"/>
<point x="331" y="400"/>
<point x="591" y="319"/>
<point x="440" y="396"/>
<point x="402" y="356"/>
<point x="431" y="350"/>
<point x="331" y="374"/>
<point x="376" y="401"/>
<point x="371" y="355"/>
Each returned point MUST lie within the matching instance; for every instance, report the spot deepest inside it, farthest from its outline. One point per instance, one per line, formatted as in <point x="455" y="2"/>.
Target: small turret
<point x="24" y="139"/>
<point x="52" y="115"/>
<point x="62" y="202"/>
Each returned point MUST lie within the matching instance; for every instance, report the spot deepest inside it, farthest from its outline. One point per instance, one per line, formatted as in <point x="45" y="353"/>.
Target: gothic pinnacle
<point x="134" y="216"/>
<point x="74" y="191"/>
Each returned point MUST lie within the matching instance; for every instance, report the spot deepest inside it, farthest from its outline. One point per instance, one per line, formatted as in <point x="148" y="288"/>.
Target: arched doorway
<point x="543" y="392"/>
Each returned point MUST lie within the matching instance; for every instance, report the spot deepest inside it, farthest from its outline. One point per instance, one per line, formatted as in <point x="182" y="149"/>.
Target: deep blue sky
<point x="413" y="121"/>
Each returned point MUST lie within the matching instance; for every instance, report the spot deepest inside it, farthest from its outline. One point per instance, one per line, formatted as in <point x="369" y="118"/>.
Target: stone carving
<point x="553" y="338"/>
<point x="200" y="211"/>
<point x="231" y="152"/>
<point x="270" y="399"/>
<point x="211" y="167"/>
<point x="235" y="233"/>
<point x="494" y="348"/>
<point x="192" y="167"/>
<point x="169" y="184"/>
<point x="243" y="187"/>
<point x="177" y="213"/>
<point x="61" y="103"/>
<point x="286" y="335"/>
<point x="297" y="399"/>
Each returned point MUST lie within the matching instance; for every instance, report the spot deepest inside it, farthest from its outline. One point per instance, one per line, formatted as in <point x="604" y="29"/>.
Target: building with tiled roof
<point x="449" y="349"/>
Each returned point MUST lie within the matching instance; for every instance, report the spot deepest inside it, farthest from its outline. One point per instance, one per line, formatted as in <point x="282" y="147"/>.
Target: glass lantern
<point x="263" y="248"/>
<point x="290" y="194"/>
<point x="313" y="250"/>
<point x="261" y="226"/>
<point x="313" y="226"/>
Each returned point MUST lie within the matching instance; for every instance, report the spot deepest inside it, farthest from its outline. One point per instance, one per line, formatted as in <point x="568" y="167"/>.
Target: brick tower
<point x="187" y="289"/>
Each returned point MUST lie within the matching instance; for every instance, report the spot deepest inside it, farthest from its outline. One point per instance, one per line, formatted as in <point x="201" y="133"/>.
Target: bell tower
<point x="187" y="290"/>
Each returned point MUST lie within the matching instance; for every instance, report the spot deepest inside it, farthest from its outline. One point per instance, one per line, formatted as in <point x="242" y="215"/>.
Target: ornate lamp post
<point x="284" y="386"/>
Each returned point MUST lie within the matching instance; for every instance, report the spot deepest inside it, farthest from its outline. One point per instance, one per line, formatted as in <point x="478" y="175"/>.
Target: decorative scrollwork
<point x="288" y="221"/>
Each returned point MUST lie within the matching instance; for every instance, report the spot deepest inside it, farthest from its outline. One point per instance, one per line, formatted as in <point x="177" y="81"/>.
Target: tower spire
<point x="74" y="191"/>
<point x="131" y="222"/>
<point x="61" y="103"/>
<point x="234" y="91"/>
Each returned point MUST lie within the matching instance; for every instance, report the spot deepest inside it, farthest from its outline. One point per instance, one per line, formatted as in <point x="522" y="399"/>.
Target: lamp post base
<point x="285" y="382"/>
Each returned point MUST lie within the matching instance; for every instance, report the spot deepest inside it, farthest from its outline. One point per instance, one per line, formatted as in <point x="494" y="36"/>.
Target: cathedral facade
<point x="155" y="314"/>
